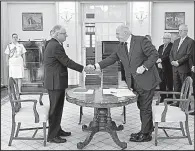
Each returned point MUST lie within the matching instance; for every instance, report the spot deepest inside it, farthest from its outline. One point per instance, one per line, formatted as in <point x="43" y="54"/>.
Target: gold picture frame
<point x="173" y="20"/>
<point x="32" y="21"/>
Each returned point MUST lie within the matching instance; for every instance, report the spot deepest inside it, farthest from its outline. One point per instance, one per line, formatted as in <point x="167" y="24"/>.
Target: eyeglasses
<point x="63" y="33"/>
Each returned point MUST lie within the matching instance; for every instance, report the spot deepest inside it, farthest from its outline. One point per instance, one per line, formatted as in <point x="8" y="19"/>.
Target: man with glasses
<point x="56" y="63"/>
<point x="179" y="57"/>
<point x="164" y="66"/>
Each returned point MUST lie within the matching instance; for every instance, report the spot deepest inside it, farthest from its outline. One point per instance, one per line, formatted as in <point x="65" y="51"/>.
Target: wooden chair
<point x="169" y="114"/>
<point x="27" y="114"/>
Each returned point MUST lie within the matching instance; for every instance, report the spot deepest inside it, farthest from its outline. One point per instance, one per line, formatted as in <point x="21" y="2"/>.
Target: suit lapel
<point x="177" y="44"/>
<point x="161" y="53"/>
<point x="132" y="44"/>
<point x="185" y="40"/>
<point x="123" y="52"/>
<point x="165" y="51"/>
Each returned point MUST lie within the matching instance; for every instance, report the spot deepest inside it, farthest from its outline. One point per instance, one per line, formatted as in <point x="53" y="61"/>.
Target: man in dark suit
<point x="192" y="66"/>
<point x="56" y="63"/>
<point x="179" y="57"/>
<point x="164" y="66"/>
<point x="138" y="57"/>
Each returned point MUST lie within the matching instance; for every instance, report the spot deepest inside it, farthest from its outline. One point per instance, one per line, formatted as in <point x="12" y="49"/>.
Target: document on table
<point x="119" y="92"/>
<point x="84" y="91"/>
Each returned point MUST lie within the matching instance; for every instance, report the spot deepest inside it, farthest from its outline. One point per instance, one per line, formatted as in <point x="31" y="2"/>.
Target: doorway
<point x="99" y="24"/>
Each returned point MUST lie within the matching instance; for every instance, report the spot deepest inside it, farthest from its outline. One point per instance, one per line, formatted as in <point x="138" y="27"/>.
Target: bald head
<point x="123" y="28"/>
<point x="183" y="30"/>
<point x="183" y="27"/>
<point x="122" y="33"/>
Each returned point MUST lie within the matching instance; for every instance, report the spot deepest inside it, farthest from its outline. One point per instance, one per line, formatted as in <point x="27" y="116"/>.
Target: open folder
<point x="119" y="92"/>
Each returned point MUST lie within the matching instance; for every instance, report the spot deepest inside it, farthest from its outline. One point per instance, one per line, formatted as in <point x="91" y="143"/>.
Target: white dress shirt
<point x="180" y="42"/>
<point x="129" y="43"/>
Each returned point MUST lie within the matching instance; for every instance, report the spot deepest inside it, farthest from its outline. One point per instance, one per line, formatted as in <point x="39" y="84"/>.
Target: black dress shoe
<point x="57" y="139"/>
<point x="141" y="138"/>
<point x="135" y="134"/>
<point x="175" y="104"/>
<point x="63" y="133"/>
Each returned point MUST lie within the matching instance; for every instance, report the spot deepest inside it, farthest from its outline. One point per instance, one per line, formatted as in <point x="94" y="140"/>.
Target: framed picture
<point x="173" y="20"/>
<point x="32" y="21"/>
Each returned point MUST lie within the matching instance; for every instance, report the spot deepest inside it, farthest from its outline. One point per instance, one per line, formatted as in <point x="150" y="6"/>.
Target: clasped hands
<point x="175" y="63"/>
<point x="91" y="69"/>
<point x="159" y="63"/>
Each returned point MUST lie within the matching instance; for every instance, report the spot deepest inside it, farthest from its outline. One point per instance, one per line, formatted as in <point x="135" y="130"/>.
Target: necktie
<point x="125" y="46"/>
<point x="165" y="46"/>
<point x="180" y="42"/>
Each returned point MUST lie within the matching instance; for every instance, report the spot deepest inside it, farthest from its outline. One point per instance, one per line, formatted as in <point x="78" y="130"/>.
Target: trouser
<point x="166" y="84"/>
<point x="144" y="103"/>
<point x="178" y="79"/>
<point x="56" y="98"/>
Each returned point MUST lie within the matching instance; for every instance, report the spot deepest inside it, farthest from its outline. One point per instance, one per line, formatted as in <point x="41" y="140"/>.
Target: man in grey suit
<point x="56" y="63"/>
<point x="179" y="58"/>
<point x="138" y="57"/>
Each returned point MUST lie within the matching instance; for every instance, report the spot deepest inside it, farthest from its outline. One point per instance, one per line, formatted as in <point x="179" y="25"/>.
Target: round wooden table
<point x="102" y="120"/>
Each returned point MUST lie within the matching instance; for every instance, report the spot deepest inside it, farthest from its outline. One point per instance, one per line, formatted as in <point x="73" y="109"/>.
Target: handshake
<point x="92" y="69"/>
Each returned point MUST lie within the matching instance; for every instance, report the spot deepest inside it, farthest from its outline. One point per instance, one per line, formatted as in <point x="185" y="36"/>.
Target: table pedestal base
<point x="102" y="122"/>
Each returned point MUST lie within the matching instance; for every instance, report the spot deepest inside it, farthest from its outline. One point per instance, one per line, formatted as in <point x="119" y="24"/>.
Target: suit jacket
<point x="192" y="57"/>
<point x="164" y="56"/>
<point x="56" y="63"/>
<point x="182" y="55"/>
<point x="142" y="52"/>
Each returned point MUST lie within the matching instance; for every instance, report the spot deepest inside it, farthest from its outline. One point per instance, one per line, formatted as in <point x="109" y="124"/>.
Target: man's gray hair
<point x="123" y="27"/>
<point x="56" y="29"/>
<point x="167" y="35"/>
<point x="184" y="26"/>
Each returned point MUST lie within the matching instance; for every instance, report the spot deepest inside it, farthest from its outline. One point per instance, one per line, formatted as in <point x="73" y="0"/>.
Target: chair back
<point x="186" y="92"/>
<point x="13" y="93"/>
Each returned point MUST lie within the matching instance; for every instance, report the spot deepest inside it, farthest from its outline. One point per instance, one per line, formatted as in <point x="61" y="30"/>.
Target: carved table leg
<point x="114" y="136"/>
<point x="87" y="128"/>
<point x="81" y="145"/>
<point x="102" y="121"/>
<point x="111" y="128"/>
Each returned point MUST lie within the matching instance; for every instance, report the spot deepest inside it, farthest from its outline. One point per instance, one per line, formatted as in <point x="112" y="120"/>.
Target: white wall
<point x="66" y="10"/>
<point x="158" y="18"/>
<point x="15" y="11"/>
<point x="140" y="27"/>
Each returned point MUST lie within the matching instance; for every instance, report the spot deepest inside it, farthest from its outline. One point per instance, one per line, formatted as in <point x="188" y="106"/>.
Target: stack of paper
<point x="119" y="92"/>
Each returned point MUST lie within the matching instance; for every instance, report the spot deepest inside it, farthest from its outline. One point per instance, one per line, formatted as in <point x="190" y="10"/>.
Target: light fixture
<point x="141" y="15"/>
<point x="66" y="15"/>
